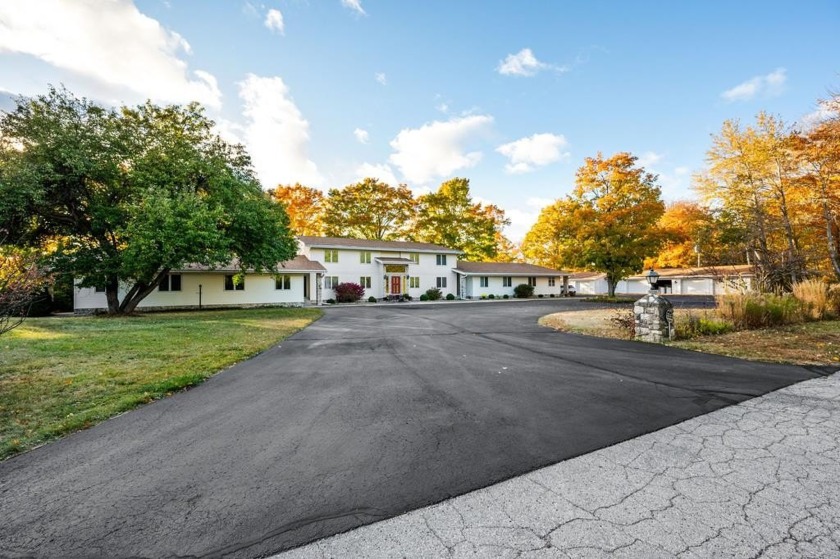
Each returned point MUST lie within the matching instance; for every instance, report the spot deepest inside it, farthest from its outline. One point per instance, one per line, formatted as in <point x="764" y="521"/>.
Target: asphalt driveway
<point x="368" y="413"/>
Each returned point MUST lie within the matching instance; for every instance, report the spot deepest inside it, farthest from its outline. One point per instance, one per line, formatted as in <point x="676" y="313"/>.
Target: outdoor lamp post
<point x="653" y="280"/>
<point x="654" y="315"/>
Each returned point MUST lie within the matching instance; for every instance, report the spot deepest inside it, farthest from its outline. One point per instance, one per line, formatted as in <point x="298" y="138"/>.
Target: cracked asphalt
<point x="367" y="414"/>
<point x="759" y="479"/>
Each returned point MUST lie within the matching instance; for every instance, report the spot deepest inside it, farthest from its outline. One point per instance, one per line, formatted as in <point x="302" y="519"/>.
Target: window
<point x="551" y="282"/>
<point x="414" y="283"/>
<point x="441" y="282"/>
<point x="283" y="282"/>
<point x="507" y="281"/>
<point x="484" y="281"/>
<point x="234" y="283"/>
<point x="330" y="255"/>
<point x="441" y="259"/>
<point x="330" y="282"/>
<point x="170" y="282"/>
<point x="414" y="257"/>
<point x="364" y="281"/>
<point x="532" y="281"/>
<point x="364" y="257"/>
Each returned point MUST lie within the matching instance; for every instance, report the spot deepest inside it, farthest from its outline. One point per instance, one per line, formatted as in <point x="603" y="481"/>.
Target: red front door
<point x="395" y="285"/>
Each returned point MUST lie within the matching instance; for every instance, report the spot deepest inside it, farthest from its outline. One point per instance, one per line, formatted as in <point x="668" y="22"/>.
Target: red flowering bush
<point x="348" y="292"/>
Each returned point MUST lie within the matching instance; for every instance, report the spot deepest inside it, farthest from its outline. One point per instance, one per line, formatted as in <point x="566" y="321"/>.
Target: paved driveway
<point x="370" y="412"/>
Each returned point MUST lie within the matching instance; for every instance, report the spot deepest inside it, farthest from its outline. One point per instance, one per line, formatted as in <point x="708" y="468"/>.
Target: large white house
<point x="386" y="269"/>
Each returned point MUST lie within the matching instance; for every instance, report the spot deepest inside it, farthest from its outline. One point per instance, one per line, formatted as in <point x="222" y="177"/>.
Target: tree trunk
<point x="611" y="284"/>
<point x="112" y="294"/>
<point x="829" y="233"/>
<point x="140" y="291"/>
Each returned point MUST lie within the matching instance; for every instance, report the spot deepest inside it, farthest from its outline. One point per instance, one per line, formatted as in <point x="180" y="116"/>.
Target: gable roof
<point x="368" y="244"/>
<point x="506" y="269"/>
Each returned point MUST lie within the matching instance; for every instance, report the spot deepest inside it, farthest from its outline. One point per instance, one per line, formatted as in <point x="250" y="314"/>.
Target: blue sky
<point x="512" y="95"/>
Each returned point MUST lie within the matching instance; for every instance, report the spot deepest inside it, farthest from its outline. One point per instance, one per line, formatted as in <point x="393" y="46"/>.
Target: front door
<point x="395" y="285"/>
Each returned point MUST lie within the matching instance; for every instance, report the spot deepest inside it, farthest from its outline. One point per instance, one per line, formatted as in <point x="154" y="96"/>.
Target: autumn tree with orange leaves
<point x="304" y="206"/>
<point x="608" y="224"/>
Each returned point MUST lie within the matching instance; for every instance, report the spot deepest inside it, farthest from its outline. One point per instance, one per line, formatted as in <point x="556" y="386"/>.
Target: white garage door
<point x="696" y="287"/>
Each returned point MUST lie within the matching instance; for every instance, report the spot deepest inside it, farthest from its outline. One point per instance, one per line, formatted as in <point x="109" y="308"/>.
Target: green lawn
<point x="59" y="375"/>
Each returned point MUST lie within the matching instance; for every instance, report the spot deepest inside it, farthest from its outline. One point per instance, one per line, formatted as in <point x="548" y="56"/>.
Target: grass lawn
<point x="62" y="374"/>
<point x="811" y="343"/>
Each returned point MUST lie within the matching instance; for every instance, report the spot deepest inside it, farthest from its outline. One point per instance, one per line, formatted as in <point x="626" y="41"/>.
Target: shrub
<point x="434" y="294"/>
<point x="505" y="296"/>
<point x="625" y="321"/>
<point x="424" y="297"/>
<point x="540" y="295"/>
<point x="483" y="296"/>
<point x="692" y="325"/>
<point x="371" y="299"/>
<point x="552" y="295"/>
<point x="491" y="296"/>
<point x="813" y="296"/>
<point x="407" y="297"/>
<point x="450" y="297"/>
<point x="330" y="301"/>
<point x="348" y="292"/>
<point x="758" y="310"/>
<point x="523" y="291"/>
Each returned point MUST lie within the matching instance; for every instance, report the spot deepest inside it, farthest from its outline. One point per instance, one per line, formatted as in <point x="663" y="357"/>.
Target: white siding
<point x="259" y="290"/>
<point x="349" y="268"/>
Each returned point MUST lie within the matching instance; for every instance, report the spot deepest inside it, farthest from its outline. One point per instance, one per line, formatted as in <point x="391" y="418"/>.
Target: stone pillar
<point x="654" y="318"/>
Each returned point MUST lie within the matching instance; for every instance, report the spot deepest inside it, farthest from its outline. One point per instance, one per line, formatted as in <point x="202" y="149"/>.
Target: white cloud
<point x="381" y="78"/>
<point x="382" y="172"/>
<point x="276" y="133"/>
<point x="274" y="21"/>
<point x="769" y="85"/>
<point x="361" y="135"/>
<point x="539" y="203"/>
<point x="355" y="5"/>
<point x="110" y="43"/>
<point x="649" y="158"/>
<point x="437" y="149"/>
<point x="523" y="63"/>
<point x="525" y="154"/>
<point x="521" y="222"/>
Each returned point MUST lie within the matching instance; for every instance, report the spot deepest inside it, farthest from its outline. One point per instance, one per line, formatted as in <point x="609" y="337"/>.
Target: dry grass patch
<point x="59" y="375"/>
<point x="810" y="343"/>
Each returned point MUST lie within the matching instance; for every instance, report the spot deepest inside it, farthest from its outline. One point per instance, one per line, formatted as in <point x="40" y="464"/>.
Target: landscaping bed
<point x="59" y="375"/>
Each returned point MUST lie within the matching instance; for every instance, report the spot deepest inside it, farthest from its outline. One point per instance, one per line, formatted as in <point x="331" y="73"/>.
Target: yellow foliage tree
<point x="304" y="206"/>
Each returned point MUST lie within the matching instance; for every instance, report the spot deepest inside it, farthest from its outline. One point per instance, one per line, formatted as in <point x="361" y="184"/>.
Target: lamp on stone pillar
<point x="653" y="280"/>
<point x="654" y="314"/>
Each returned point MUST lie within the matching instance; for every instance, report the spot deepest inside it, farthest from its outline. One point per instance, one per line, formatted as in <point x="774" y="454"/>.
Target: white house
<point x="713" y="280"/>
<point x="477" y="279"/>
<point x="383" y="268"/>
<point x="200" y="287"/>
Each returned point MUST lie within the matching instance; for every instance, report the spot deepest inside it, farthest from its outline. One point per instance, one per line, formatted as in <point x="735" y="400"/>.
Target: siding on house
<point x="387" y="260"/>
<point x="684" y="281"/>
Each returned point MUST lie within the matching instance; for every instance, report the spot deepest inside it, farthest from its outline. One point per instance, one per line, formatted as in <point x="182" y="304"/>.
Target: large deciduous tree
<point x="22" y="283"/>
<point x="754" y="175"/>
<point x="608" y="224"/>
<point x="128" y="195"/>
<point x="451" y="218"/>
<point x="368" y="210"/>
<point x="304" y="206"/>
<point x="818" y="149"/>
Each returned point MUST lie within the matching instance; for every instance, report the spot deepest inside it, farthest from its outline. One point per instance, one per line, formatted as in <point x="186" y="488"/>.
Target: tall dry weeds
<point x="814" y="298"/>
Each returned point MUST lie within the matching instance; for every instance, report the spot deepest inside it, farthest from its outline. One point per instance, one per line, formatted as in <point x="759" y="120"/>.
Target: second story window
<point x="364" y="257"/>
<point x="441" y="259"/>
<point x="414" y="257"/>
<point x="330" y="255"/>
